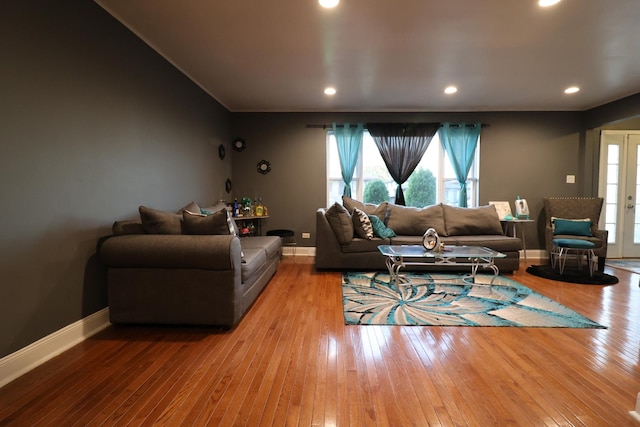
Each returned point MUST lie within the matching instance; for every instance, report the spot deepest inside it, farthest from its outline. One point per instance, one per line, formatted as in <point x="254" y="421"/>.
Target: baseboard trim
<point x="298" y="251"/>
<point x="22" y="361"/>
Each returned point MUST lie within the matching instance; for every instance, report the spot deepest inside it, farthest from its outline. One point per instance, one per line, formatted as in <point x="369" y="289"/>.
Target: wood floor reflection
<point x="292" y="361"/>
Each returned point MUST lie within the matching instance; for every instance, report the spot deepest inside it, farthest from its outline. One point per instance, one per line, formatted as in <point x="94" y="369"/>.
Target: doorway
<point x="618" y="184"/>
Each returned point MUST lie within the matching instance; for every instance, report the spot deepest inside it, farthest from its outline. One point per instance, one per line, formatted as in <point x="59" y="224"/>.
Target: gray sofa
<point x="180" y="278"/>
<point x="341" y="246"/>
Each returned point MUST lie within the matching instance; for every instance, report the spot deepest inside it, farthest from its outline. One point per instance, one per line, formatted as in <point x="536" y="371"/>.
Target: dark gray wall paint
<point x="93" y="124"/>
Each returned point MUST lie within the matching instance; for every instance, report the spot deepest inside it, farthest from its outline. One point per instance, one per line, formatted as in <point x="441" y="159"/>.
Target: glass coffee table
<point x="474" y="257"/>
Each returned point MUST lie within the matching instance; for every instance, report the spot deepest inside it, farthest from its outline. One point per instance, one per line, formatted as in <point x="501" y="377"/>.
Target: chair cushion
<point x="575" y="227"/>
<point x="573" y="243"/>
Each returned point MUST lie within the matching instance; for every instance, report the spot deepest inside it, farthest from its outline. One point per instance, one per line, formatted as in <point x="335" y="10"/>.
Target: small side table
<point x="515" y="224"/>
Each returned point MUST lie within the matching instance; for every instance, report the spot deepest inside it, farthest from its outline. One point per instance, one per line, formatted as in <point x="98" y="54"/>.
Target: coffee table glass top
<point x="418" y="251"/>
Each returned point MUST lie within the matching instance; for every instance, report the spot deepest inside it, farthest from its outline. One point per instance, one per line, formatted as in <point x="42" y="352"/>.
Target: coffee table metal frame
<point x="474" y="257"/>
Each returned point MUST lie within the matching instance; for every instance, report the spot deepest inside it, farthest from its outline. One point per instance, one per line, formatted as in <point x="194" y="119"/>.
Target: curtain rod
<point x="484" y="125"/>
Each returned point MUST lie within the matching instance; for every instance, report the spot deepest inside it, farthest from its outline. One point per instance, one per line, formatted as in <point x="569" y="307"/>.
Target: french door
<point x="620" y="187"/>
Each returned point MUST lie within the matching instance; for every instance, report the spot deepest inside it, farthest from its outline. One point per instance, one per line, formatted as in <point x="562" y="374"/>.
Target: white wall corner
<point x="22" y="361"/>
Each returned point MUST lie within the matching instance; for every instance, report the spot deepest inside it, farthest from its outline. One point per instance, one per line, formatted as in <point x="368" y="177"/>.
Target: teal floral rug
<point x="439" y="299"/>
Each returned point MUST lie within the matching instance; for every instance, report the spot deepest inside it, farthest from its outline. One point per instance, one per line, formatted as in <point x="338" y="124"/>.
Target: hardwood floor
<point x="292" y="361"/>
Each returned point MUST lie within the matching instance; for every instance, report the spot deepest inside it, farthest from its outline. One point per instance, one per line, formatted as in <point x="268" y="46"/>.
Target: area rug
<point x="572" y="275"/>
<point x="628" y="264"/>
<point x="438" y="299"/>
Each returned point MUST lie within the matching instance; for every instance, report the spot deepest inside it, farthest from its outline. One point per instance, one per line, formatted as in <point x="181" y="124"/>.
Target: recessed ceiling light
<point x="330" y="91"/>
<point x="328" y="3"/>
<point x="572" y="89"/>
<point x="547" y="3"/>
<point x="450" y="89"/>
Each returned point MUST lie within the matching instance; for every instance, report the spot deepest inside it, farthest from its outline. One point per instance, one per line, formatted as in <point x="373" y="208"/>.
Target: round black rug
<point x="572" y="275"/>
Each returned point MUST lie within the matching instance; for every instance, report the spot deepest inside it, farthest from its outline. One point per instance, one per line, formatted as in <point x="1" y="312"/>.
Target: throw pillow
<point x="340" y="221"/>
<point x="574" y="227"/>
<point x="205" y="224"/>
<point x="379" y="229"/>
<point x="362" y="224"/>
<point x="369" y="208"/>
<point x="191" y="207"/>
<point x="155" y="221"/>
<point x="470" y="221"/>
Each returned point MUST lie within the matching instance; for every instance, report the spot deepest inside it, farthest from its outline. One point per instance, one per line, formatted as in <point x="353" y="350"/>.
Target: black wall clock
<point x="264" y="167"/>
<point x="239" y="144"/>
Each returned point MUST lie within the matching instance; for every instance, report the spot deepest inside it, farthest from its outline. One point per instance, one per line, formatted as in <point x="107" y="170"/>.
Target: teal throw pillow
<point x="379" y="229"/>
<point x="572" y="227"/>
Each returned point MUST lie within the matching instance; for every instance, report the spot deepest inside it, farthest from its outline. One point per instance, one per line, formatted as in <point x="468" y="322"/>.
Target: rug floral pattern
<point x="444" y="300"/>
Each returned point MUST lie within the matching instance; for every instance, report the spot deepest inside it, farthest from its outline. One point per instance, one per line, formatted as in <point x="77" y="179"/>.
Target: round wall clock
<point x="239" y="144"/>
<point x="264" y="167"/>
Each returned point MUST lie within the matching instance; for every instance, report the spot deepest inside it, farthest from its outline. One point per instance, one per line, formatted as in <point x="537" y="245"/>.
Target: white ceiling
<point x="384" y="55"/>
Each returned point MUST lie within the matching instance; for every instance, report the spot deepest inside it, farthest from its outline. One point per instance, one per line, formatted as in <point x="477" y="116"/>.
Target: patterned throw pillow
<point x="362" y="224"/>
<point x="379" y="229"/>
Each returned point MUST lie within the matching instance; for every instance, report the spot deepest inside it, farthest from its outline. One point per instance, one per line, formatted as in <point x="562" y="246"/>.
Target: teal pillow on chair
<point x="572" y="227"/>
<point x="379" y="229"/>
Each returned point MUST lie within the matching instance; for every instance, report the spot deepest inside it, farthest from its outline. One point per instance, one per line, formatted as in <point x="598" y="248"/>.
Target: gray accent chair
<point x="577" y="208"/>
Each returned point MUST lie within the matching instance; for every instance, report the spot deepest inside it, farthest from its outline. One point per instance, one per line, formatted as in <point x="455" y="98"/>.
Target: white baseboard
<point x="298" y="251"/>
<point x="22" y="361"/>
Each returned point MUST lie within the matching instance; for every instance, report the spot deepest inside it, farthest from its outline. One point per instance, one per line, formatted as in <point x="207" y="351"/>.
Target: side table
<point x="515" y="224"/>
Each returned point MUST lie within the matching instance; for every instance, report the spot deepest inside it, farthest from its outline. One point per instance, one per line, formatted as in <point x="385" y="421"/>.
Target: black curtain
<point x="402" y="146"/>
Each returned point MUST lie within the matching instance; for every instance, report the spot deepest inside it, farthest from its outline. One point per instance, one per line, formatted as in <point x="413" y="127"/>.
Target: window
<point x="433" y="181"/>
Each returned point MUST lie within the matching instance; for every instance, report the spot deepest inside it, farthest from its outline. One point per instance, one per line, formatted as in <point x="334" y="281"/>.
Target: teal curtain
<point x="349" y="140"/>
<point x="460" y="142"/>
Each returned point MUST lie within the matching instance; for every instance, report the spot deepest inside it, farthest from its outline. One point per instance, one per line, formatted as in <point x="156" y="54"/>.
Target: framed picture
<point x="503" y="209"/>
<point x="522" y="209"/>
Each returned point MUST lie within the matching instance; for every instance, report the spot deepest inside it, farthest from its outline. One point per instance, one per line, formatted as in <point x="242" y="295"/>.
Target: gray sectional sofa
<point x="185" y="269"/>
<point x="341" y="243"/>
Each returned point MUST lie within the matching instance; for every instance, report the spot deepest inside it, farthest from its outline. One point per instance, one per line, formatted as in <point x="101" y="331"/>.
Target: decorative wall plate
<point x="221" y="151"/>
<point x="227" y="185"/>
<point x="264" y="167"/>
<point x="239" y="144"/>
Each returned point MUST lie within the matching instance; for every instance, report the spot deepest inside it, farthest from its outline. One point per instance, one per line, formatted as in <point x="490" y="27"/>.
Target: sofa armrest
<point x="205" y="252"/>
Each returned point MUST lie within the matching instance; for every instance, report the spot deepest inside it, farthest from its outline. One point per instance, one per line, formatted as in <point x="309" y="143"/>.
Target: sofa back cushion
<point x="155" y="221"/>
<point x="471" y="221"/>
<point x="340" y="221"/>
<point x="196" y="223"/>
<point x="408" y="221"/>
<point x="369" y="208"/>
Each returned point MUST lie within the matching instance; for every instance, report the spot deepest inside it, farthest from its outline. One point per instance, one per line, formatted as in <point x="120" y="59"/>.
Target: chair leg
<point x="601" y="261"/>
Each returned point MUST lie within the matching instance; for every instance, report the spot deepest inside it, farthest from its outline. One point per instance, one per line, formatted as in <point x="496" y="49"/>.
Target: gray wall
<point x="93" y="124"/>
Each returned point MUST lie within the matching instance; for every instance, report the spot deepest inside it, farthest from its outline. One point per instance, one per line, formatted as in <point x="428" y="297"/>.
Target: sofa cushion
<point x="215" y="223"/>
<point x="359" y="245"/>
<point x="379" y="229"/>
<point x="362" y="224"/>
<point x="155" y="221"/>
<point x="340" y="221"/>
<point x="410" y="221"/>
<point x="574" y="227"/>
<point x="470" y="221"/>
<point x="369" y="208"/>
<point x="191" y="207"/>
